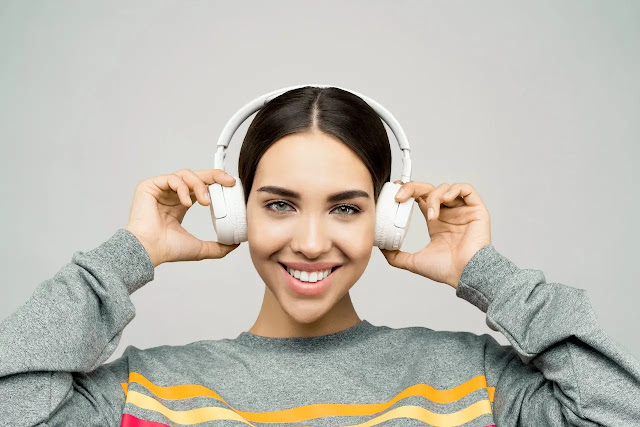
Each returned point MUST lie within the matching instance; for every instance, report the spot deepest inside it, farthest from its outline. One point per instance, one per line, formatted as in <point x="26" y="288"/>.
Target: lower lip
<point x="308" y="288"/>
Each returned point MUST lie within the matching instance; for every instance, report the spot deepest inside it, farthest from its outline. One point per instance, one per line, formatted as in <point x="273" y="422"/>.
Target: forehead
<point x="312" y="163"/>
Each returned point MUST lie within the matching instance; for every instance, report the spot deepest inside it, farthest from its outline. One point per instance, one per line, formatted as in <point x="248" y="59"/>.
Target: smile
<point x="308" y="288"/>
<point x="309" y="276"/>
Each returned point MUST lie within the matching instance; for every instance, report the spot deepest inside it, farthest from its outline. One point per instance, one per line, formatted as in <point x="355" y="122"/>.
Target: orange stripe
<point x="319" y="410"/>
<point x="205" y="414"/>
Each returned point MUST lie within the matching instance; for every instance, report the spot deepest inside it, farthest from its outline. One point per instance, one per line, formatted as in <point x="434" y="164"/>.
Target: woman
<point x="309" y="359"/>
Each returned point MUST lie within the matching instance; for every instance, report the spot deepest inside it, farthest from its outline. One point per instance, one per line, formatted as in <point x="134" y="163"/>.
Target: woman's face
<point x="310" y="228"/>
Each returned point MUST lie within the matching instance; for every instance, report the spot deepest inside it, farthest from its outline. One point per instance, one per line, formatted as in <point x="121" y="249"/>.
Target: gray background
<point x="535" y="104"/>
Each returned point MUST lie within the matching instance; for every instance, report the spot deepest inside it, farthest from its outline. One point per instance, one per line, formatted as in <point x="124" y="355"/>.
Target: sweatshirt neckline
<point x="341" y="337"/>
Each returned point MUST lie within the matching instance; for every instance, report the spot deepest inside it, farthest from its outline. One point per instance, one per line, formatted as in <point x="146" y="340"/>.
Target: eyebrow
<point x="332" y="198"/>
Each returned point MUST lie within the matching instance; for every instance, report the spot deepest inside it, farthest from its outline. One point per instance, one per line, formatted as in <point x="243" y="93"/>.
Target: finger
<point x="460" y="194"/>
<point x="413" y="189"/>
<point x="196" y="185"/>
<point x="215" y="250"/>
<point x="466" y="192"/>
<point x="434" y="199"/>
<point x="452" y="197"/>
<point x="399" y="259"/>
<point x="175" y="184"/>
<point x="418" y="190"/>
<point x="180" y="187"/>
<point x="213" y="176"/>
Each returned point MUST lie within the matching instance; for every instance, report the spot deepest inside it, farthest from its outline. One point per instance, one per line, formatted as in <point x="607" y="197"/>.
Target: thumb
<point x="216" y="250"/>
<point x="398" y="258"/>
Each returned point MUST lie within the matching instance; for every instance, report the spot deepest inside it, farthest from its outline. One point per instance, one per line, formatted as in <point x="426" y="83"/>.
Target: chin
<point x="305" y="311"/>
<point x="307" y="316"/>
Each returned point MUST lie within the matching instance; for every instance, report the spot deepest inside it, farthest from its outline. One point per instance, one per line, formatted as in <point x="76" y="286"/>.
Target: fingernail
<point x="206" y="196"/>
<point x="401" y="193"/>
<point x="430" y="213"/>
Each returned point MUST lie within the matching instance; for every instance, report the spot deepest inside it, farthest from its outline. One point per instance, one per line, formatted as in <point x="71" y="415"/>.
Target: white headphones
<point x="228" y="210"/>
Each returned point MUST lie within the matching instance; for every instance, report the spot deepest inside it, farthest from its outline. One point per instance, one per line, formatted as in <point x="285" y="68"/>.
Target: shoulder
<point x="420" y="337"/>
<point x="180" y="355"/>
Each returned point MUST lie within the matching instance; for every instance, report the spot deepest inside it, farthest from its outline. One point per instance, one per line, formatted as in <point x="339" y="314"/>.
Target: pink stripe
<point x="129" y="420"/>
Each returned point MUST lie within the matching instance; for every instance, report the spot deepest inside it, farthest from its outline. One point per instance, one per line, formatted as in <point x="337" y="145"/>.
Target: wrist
<point x="155" y="260"/>
<point x="453" y="282"/>
<point x="486" y="274"/>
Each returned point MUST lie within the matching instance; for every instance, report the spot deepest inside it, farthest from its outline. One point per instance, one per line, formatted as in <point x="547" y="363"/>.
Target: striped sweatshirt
<point x="560" y="369"/>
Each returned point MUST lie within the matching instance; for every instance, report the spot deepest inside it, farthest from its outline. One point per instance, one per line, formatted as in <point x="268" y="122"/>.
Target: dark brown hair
<point x="331" y="110"/>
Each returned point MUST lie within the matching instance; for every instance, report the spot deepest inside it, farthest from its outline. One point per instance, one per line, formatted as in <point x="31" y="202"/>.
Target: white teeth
<point x="311" y="277"/>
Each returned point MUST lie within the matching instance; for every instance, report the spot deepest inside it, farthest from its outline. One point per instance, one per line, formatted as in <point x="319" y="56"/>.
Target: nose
<point x="310" y="237"/>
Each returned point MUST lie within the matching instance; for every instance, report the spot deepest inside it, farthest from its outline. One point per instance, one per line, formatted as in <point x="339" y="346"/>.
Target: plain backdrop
<point x="536" y="104"/>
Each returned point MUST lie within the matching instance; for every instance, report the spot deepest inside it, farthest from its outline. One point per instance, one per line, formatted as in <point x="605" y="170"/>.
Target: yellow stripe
<point x="205" y="414"/>
<point x="319" y="410"/>
<point x="193" y="416"/>
<point x="437" y="420"/>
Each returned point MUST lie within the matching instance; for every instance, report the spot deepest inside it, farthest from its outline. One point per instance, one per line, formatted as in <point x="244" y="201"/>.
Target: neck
<point x="273" y="321"/>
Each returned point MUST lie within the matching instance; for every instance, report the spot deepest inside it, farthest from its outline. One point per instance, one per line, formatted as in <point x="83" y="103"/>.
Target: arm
<point x="53" y="346"/>
<point x="562" y="368"/>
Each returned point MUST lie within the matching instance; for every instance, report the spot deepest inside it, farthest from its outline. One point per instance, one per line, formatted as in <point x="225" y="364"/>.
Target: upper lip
<point x="305" y="266"/>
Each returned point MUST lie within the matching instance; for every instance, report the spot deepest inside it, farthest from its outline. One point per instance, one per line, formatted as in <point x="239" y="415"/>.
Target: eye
<point x="280" y="203"/>
<point x="353" y="209"/>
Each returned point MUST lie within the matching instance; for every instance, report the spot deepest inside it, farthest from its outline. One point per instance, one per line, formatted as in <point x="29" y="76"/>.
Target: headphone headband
<point x="245" y="112"/>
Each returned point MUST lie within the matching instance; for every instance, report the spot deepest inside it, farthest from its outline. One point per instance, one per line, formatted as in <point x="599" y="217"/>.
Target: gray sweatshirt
<point x="561" y="368"/>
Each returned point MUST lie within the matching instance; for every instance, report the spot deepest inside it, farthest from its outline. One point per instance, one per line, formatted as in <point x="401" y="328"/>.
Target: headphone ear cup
<point x="228" y="212"/>
<point x="392" y="218"/>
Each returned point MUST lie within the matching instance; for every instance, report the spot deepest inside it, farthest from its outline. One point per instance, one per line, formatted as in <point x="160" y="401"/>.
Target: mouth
<point x="301" y="288"/>
<point x="330" y="273"/>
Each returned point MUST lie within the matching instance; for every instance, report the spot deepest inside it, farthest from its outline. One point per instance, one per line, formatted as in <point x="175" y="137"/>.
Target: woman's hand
<point x="458" y="229"/>
<point x="158" y="208"/>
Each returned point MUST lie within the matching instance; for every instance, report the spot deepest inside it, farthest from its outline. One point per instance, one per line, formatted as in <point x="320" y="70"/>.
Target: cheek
<point x="263" y="243"/>
<point x="261" y="229"/>
<point x="356" y="243"/>
<point x="356" y="239"/>
<point x="265" y="238"/>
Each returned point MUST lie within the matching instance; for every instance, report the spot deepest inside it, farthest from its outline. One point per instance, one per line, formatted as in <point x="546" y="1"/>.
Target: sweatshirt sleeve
<point x="53" y="347"/>
<point x="561" y="368"/>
